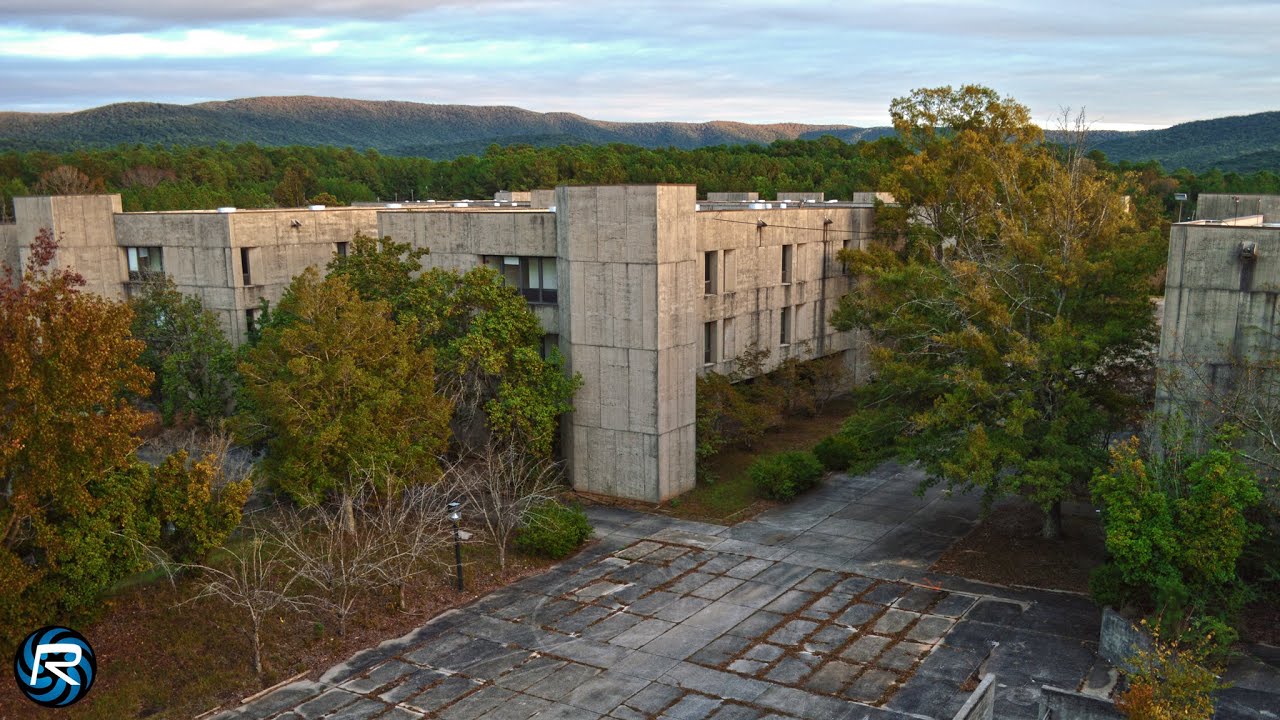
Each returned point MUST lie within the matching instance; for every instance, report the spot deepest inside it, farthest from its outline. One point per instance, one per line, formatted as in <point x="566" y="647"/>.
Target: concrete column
<point x="629" y="302"/>
<point x="85" y="230"/>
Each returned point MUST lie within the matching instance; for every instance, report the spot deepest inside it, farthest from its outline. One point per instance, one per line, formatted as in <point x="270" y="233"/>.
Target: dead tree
<point x="502" y="483"/>
<point x="414" y="527"/>
<point x="255" y="581"/>
<point x="338" y="554"/>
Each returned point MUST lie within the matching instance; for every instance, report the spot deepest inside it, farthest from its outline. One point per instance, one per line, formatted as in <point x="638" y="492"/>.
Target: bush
<point x="1174" y="680"/>
<point x="784" y="475"/>
<point x="837" y="452"/>
<point x="1176" y="527"/>
<point x="553" y="530"/>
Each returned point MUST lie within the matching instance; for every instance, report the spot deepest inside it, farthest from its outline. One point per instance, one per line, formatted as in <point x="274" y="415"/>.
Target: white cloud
<point x="85" y="46"/>
<point x="759" y="60"/>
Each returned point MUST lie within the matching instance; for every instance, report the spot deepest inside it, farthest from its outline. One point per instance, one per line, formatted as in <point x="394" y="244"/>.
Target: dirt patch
<point x="1006" y="549"/>
<point x="1260" y="622"/>
<point x="158" y="658"/>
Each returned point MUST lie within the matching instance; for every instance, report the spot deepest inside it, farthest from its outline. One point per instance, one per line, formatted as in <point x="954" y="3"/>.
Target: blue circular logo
<point x="55" y="666"/>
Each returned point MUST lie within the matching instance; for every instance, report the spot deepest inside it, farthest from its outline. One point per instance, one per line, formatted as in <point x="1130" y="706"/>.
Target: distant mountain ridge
<point x="1243" y="143"/>
<point x="399" y="128"/>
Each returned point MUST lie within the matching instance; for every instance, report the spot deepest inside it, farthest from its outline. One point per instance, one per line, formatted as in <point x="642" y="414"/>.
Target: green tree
<point x="487" y="344"/>
<point x="381" y="269"/>
<point x="1013" y="327"/>
<point x="485" y="338"/>
<point x="193" y="362"/>
<point x="75" y="505"/>
<point x="67" y="363"/>
<point x="336" y="388"/>
<point x="1176" y="526"/>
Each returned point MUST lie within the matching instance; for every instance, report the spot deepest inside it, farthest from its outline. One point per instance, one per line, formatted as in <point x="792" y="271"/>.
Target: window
<point x="549" y="341"/>
<point x="244" y="266"/>
<point x="709" y="343"/>
<point x="726" y="337"/>
<point x="709" y="273"/>
<point x="535" y="277"/>
<point x="250" y="320"/>
<point x="342" y="249"/>
<point x="145" y="261"/>
<point x="730" y="273"/>
<point x="787" y="252"/>
<point x="785" y="338"/>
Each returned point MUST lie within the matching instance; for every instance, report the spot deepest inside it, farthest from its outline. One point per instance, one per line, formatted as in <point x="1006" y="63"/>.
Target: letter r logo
<point x="55" y="666"/>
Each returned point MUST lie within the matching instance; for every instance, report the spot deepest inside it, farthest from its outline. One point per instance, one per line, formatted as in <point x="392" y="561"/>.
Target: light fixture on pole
<point x="456" y="516"/>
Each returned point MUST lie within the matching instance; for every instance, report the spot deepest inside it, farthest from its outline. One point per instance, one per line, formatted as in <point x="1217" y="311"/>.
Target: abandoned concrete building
<point x="641" y="288"/>
<point x="1220" y="303"/>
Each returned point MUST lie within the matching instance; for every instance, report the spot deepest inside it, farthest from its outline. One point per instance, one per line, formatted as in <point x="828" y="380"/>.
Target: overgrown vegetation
<point x="738" y="407"/>
<point x="1174" y="680"/>
<point x="1177" y="524"/>
<point x="193" y="362"/>
<point x="75" y="503"/>
<point x="343" y="391"/>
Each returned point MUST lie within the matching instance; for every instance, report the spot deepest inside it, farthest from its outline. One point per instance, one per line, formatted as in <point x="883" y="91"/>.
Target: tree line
<point x="153" y="178"/>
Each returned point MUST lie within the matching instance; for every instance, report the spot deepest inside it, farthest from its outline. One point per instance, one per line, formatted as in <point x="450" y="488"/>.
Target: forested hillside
<point x="397" y="128"/>
<point x="1241" y="144"/>
<point x="1246" y="143"/>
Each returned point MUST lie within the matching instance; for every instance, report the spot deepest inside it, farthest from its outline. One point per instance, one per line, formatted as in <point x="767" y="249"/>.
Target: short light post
<point x="456" y="516"/>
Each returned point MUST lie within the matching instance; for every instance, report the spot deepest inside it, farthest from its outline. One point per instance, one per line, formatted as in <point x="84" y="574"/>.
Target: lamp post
<point x="456" y="516"/>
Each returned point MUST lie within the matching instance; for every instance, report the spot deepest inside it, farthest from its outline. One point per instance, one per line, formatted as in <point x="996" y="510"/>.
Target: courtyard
<point x="823" y="608"/>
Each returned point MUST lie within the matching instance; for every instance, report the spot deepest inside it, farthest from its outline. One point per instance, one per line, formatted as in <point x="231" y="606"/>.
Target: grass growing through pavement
<point x="159" y="659"/>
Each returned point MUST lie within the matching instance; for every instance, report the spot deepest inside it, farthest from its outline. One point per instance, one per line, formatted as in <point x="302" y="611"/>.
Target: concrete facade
<point x="1220" y="305"/>
<point x="82" y="224"/>
<point x="640" y="287"/>
<point x="1223" y="207"/>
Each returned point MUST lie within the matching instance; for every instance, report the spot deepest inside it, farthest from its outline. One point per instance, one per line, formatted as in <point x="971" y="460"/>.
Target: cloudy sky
<point x="1129" y="63"/>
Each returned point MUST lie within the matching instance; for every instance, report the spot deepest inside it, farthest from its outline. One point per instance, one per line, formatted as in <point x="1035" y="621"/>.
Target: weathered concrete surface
<point x="632" y="315"/>
<point x="82" y="226"/>
<point x="628" y="325"/>
<point x="1059" y="704"/>
<point x="1220" y="306"/>
<point x="820" y="609"/>
<point x="1119" y="640"/>
<point x="1211" y="206"/>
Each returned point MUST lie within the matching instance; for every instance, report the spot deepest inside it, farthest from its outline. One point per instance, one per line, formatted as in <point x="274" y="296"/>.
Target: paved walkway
<point x="820" y="609"/>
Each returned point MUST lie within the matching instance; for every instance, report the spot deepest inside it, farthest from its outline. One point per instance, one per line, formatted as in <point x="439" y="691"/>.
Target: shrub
<point x="836" y="452"/>
<point x="784" y="475"/>
<point x="553" y="530"/>
<point x="1176" y="527"/>
<point x="1173" y="681"/>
